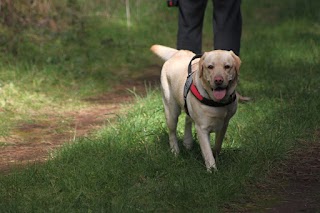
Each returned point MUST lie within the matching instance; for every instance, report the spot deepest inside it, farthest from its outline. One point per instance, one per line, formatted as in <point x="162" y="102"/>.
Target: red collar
<point x="196" y="92"/>
<point x="209" y="102"/>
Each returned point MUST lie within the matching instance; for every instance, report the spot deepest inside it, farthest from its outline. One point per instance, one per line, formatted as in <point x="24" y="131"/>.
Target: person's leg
<point x="227" y="25"/>
<point x="191" y="13"/>
<point x="227" y="28"/>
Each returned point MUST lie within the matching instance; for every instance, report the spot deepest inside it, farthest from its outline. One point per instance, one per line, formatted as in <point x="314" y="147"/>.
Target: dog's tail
<point x="163" y="52"/>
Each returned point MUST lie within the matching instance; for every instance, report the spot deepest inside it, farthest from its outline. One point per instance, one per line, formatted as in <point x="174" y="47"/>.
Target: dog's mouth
<point x="219" y="93"/>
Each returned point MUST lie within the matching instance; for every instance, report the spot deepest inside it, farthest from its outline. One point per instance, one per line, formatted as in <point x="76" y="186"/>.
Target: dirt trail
<point x="32" y="142"/>
<point x="301" y="178"/>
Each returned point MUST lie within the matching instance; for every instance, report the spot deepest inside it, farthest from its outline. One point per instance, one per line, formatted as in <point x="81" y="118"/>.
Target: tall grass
<point x="127" y="166"/>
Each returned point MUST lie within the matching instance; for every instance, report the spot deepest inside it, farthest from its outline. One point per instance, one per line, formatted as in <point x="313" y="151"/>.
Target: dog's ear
<point x="237" y="61"/>
<point x="201" y="64"/>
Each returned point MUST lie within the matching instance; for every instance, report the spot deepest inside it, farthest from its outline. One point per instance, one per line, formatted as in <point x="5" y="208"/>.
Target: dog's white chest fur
<point x="216" y="117"/>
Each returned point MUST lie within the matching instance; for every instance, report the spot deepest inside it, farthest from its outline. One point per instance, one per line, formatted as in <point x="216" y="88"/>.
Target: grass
<point x="58" y="69"/>
<point x="127" y="166"/>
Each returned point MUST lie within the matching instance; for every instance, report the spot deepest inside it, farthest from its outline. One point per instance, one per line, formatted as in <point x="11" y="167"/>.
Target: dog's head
<point x="219" y="71"/>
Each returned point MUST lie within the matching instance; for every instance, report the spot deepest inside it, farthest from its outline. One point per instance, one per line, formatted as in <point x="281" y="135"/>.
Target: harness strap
<point x="188" y="83"/>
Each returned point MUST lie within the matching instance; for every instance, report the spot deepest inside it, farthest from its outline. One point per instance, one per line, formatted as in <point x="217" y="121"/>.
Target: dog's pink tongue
<point x="219" y="94"/>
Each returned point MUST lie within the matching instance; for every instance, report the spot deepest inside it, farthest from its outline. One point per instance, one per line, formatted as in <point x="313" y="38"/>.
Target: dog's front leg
<point x="204" y="140"/>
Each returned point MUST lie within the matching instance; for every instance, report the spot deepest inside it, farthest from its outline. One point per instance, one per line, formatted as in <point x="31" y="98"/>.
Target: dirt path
<point x="32" y="142"/>
<point x="299" y="180"/>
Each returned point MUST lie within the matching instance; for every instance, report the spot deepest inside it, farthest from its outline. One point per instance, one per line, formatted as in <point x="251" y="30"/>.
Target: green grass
<point x="127" y="166"/>
<point x="40" y="69"/>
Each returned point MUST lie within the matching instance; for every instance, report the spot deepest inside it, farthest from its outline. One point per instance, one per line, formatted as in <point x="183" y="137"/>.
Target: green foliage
<point x="89" y="42"/>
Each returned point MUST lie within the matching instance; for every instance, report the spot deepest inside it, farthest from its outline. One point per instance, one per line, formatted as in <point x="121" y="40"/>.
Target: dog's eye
<point x="210" y="67"/>
<point x="227" y="67"/>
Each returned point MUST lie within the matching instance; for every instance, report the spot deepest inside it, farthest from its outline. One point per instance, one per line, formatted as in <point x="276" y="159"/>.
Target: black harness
<point x="189" y="86"/>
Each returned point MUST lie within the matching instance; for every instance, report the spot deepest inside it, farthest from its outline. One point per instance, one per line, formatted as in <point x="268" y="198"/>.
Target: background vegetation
<point x="127" y="166"/>
<point x="55" y="53"/>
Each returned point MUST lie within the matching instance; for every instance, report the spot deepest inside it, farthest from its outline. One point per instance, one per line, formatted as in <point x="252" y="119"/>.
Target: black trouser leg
<point x="191" y="14"/>
<point x="227" y="25"/>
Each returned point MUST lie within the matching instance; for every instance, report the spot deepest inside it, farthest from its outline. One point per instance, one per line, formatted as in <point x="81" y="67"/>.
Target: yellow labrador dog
<point x="208" y="96"/>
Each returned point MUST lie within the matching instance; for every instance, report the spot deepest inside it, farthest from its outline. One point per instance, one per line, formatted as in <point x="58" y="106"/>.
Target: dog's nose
<point x="218" y="80"/>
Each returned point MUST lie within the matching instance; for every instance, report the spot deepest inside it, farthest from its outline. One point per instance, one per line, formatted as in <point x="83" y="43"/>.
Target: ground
<point x="293" y="188"/>
<point x="298" y="179"/>
<point x="32" y="141"/>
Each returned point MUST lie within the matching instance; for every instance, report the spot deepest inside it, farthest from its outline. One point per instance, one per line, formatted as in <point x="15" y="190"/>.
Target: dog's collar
<point x="189" y="86"/>
<point x="210" y="102"/>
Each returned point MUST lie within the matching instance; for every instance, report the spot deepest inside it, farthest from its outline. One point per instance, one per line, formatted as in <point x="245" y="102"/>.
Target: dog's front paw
<point x="211" y="166"/>
<point x="175" y="151"/>
<point x="212" y="169"/>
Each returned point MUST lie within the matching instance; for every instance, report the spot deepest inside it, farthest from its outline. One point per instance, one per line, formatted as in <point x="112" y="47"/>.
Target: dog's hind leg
<point x="172" y="112"/>
<point x="187" y="140"/>
<point x="219" y="139"/>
